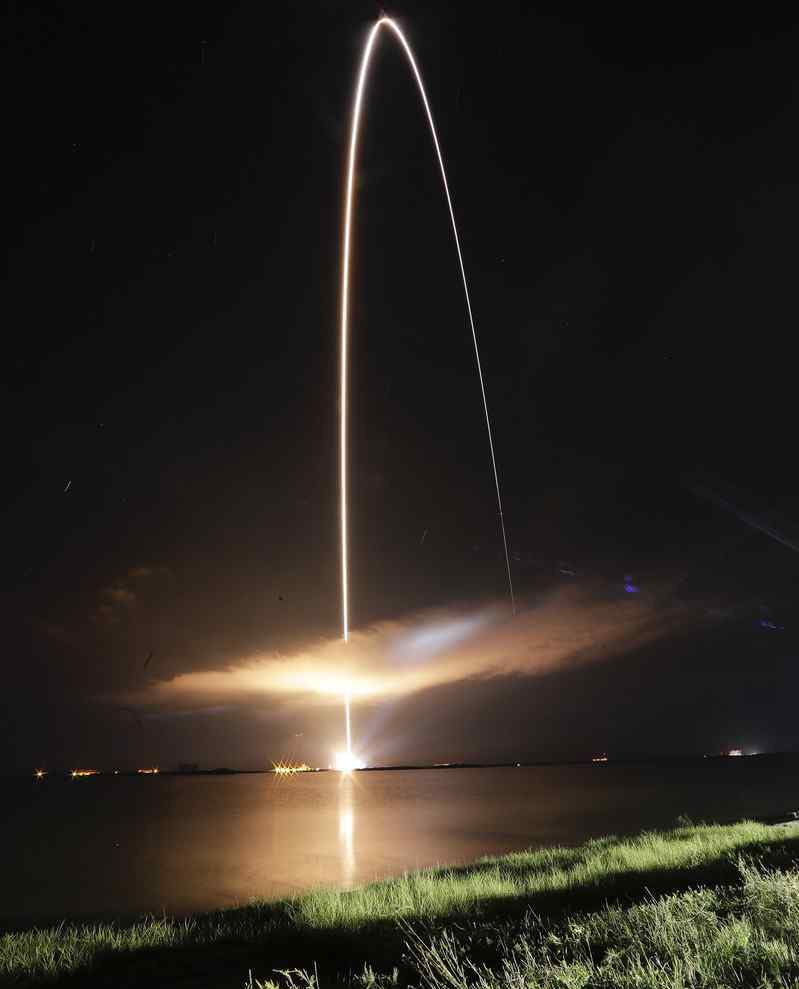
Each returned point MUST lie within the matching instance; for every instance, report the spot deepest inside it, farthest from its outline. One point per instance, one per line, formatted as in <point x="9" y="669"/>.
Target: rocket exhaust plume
<point x="387" y="22"/>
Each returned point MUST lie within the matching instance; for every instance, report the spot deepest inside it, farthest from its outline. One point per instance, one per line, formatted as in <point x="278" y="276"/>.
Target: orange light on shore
<point x="148" y="772"/>
<point x="40" y="774"/>
<point x="83" y="772"/>
<point x="290" y="768"/>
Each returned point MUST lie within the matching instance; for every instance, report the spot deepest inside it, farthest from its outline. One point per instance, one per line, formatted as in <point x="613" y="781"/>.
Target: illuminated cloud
<point x="104" y="614"/>
<point x="199" y="712"/>
<point x="117" y="600"/>
<point x="114" y="601"/>
<point x="140" y="572"/>
<point x="564" y="627"/>
<point x="119" y="595"/>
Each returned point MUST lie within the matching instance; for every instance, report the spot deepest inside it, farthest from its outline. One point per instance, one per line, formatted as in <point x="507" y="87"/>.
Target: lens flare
<point x="290" y="768"/>
<point x="388" y="23"/>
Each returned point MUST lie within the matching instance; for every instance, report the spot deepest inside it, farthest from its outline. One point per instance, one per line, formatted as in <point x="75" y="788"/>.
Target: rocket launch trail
<point x="386" y="23"/>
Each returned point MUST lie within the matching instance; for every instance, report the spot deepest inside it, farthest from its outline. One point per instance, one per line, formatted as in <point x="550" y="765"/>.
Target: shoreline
<point x="662" y="761"/>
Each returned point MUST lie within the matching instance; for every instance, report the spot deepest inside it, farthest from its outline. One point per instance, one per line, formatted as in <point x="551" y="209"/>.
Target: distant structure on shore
<point x="602" y="757"/>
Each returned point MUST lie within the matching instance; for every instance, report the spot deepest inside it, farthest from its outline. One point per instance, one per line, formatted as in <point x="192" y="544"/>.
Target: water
<point x="119" y="846"/>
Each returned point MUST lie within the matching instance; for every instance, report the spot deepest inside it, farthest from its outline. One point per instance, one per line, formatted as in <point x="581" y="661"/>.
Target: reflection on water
<point x="346" y="828"/>
<point x="125" y="845"/>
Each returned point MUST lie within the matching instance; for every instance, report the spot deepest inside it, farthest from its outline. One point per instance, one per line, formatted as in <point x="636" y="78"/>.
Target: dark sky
<point x="628" y="204"/>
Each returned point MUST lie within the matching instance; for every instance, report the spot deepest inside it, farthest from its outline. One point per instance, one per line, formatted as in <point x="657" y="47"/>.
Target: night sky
<point x="626" y="190"/>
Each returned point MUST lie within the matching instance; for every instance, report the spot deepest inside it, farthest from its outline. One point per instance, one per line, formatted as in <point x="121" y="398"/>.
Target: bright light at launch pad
<point x="346" y="762"/>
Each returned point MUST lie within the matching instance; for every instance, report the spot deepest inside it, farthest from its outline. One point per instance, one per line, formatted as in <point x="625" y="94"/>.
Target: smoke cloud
<point x="563" y="627"/>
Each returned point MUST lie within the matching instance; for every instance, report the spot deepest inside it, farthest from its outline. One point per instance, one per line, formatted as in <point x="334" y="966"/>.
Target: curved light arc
<point x="387" y="22"/>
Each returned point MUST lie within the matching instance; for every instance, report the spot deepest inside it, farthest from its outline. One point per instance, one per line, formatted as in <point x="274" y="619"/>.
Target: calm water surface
<point x="118" y="846"/>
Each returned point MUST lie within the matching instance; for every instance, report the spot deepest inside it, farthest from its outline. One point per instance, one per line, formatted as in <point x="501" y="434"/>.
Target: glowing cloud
<point x="566" y="626"/>
<point x="120" y="595"/>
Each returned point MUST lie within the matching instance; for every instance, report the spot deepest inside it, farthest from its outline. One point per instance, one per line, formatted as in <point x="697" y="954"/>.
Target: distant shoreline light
<point x="290" y="768"/>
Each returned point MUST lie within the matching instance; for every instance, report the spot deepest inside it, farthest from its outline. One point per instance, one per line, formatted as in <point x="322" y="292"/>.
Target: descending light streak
<point x="345" y="305"/>
<point x="704" y="492"/>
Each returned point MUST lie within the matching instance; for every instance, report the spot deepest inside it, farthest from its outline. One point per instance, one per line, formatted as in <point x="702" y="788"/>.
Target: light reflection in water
<point x="346" y="828"/>
<point x="219" y="841"/>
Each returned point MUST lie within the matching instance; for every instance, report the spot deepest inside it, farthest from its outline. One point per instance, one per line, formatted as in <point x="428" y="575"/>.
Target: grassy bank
<point x="687" y="908"/>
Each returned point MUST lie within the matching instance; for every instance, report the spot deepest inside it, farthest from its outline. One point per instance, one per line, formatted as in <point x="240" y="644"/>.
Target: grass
<point x="686" y="907"/>
<point x="745" y="935"/>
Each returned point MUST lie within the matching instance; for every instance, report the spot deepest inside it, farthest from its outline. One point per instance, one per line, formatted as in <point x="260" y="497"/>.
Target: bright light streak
<point x="345" y="328"/>
<point x="387" y="22"/>
<point x="149" y="771"/>
<point x="346" y="762"/>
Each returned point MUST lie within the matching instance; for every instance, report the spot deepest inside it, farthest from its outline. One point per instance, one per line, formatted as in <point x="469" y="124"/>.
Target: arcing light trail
<point x="387" y="22"/>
